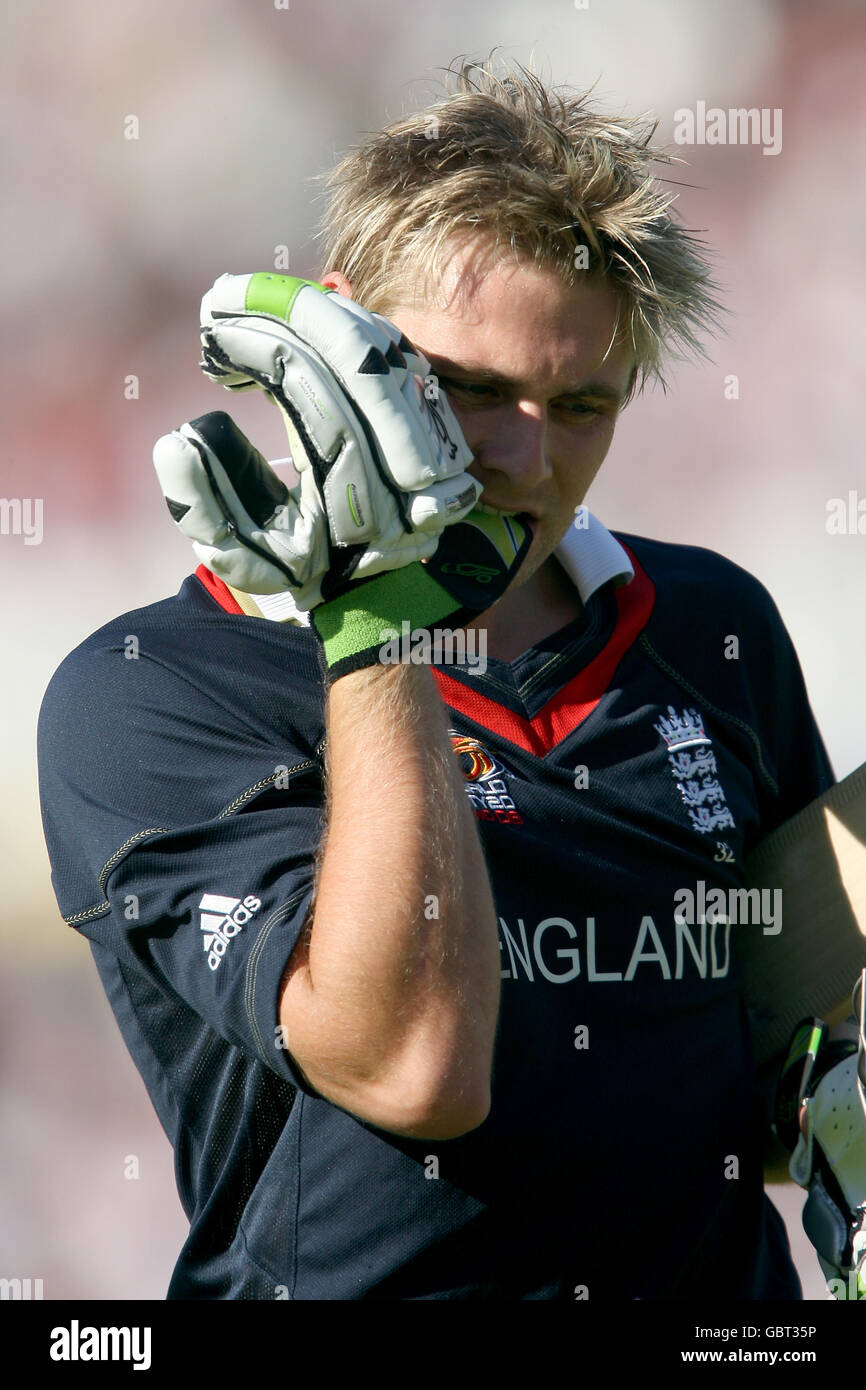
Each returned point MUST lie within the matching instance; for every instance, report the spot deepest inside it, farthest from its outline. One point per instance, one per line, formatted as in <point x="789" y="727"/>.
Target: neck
<point x="546" y="602"/>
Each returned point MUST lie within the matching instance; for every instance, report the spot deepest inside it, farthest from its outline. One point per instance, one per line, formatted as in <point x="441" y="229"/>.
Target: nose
<point x="518" y="447"/>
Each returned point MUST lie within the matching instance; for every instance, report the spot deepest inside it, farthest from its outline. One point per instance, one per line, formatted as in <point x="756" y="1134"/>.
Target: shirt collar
<point x="588" y="553"/>
<point x="591" y="556"/>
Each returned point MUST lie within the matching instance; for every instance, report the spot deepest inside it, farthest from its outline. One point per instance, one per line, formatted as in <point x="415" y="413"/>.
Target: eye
<point x="483" y="393"/>
<point x="469" y="390"/>
<point x="586" y="410"/>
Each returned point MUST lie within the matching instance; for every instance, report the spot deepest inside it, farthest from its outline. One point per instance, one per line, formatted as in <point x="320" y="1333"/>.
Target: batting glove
<point x="821" y="1116"/>
<point x="243" y="521"/>
<point x="386" y="456"/>
<point x="248" y="527"/>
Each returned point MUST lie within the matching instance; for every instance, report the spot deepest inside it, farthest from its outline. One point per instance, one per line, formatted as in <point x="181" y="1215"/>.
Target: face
<point x="534" y="380"/>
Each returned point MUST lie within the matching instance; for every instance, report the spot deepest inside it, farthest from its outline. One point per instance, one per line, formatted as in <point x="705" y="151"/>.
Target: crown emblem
<point x="681" y="730"/>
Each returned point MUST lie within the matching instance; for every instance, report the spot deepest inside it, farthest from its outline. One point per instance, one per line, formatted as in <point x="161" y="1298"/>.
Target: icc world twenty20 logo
<point x="485" y="781"/>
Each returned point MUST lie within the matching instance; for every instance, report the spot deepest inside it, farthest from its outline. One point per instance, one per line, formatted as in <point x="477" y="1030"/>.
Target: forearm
<point x="402" y="968"/>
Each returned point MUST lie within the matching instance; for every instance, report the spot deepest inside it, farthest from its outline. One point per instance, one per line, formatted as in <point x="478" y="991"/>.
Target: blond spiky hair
<point x="533" y="173"/>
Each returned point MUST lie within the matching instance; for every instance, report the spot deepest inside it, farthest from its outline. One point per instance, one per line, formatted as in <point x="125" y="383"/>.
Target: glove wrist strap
<point x="358" y="628"/>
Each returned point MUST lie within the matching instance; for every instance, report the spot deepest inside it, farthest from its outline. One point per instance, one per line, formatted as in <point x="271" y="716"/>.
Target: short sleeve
<point x="213" y="912"/>
<point x="182" y="800"/>
<point x="717" y="631"/>
<point x="793" y="748"/>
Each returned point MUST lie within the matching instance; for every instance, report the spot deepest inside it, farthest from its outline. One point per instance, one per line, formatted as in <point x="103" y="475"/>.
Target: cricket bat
<point x="818" y="860"/>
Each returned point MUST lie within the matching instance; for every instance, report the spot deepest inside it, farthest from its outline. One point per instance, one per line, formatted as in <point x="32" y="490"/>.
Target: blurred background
<point x="149" y="148"/>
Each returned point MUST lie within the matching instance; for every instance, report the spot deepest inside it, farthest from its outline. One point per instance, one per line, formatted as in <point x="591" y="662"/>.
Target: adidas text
<point x="221" y="919"/>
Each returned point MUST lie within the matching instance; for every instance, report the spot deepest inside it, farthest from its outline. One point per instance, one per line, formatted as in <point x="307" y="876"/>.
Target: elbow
<point x="447" y="1115"/>
<point x="445" y="1100"/>
<point x="449" y="1120"/>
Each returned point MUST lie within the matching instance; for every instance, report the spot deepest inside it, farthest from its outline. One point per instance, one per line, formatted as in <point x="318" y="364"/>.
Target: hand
<point x="821" y="1115"/>
<point x="475" y="562"/>
<point x="380" y="475"/>
<point x="243" y="521"/>
<point x="388" y="460"/>
<point x="246" y="525"/>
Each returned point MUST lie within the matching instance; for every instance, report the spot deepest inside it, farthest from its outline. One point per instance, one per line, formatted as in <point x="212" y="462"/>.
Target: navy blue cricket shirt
<point x="625" y="758"/>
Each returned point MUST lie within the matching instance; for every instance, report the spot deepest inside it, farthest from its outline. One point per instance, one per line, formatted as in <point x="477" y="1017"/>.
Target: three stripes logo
<point x="221" y="919"/>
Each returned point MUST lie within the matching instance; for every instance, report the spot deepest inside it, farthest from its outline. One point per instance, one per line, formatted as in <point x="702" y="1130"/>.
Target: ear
<point x="336" y="280"/>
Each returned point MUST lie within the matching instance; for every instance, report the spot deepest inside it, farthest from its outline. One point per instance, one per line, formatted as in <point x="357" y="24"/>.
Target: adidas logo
<point x="221" y="919"/>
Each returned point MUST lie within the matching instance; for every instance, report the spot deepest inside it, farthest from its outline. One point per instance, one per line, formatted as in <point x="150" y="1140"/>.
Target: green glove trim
<point x="474" y="563"/>
<point x="275" y="294"/>
<point x="354" y="626"/>
<point x="808" y="1039"/>
<point x="811" y="1055"/>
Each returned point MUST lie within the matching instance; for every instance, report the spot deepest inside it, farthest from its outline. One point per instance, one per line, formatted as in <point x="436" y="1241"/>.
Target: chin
<point x="539" y="553"/>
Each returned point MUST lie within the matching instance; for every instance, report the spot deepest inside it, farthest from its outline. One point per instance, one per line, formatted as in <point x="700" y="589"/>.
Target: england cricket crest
<point x="694" y="767"/>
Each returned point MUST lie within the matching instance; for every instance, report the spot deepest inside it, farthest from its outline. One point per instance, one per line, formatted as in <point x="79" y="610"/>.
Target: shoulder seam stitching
<point x="260" y="785"/>
<point x="105" y="872"/>
<point x="98" y="908"/>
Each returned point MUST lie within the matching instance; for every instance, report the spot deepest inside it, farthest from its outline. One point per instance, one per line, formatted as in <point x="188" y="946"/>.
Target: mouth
<point x="489" y="510"/>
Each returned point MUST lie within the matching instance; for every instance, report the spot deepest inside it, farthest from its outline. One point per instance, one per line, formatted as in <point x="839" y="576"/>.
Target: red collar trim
<point x="576" y="700"/>
<point x="218" y="590"/>
<point x="567" y="709"/>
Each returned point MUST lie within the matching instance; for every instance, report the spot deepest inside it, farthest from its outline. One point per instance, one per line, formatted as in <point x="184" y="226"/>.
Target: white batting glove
<point x="225" y="496"/>
<point x="385" y="457"/>
<point x="821" y="1115"/>
<point x="243" y="521"/>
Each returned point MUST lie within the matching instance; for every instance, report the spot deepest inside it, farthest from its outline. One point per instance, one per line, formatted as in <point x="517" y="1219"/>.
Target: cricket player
<point x="407" y="934"/>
